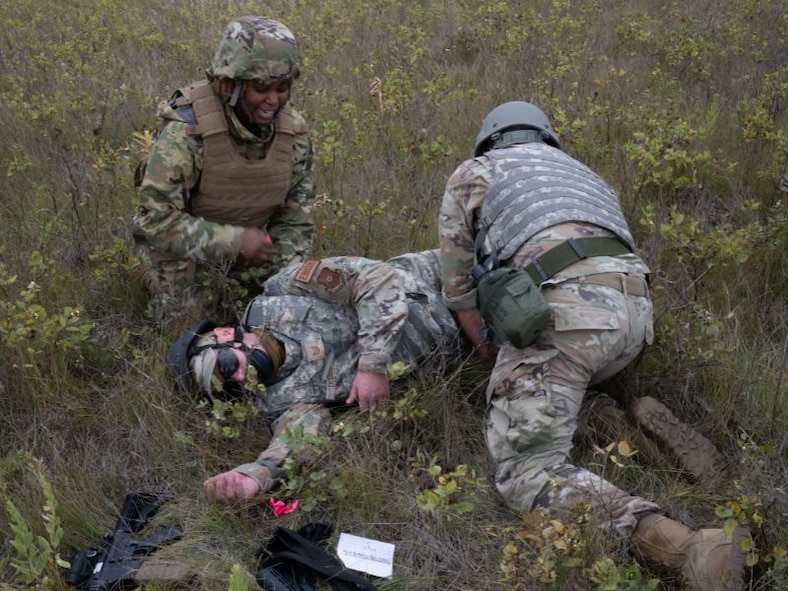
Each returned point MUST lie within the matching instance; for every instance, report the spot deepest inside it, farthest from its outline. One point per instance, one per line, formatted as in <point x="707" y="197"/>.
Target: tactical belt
<point x="626" y="284"/>
<point x="571" y="251"/>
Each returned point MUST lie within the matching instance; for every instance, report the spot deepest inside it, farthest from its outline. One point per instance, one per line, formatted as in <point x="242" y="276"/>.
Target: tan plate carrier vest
<point x="233" y="189"/>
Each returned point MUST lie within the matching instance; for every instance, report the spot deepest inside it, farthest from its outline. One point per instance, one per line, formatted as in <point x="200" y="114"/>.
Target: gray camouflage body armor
<point x="321" y="340"/>
<point x="536" y="186"/>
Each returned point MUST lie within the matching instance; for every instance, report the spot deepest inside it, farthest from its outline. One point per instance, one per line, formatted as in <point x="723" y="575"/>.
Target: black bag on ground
<point x="292" y="561"/>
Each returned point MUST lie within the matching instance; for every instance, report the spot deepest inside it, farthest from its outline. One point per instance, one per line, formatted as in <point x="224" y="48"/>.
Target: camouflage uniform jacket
<point x="340" y="315"/>
<point x="466" y="191"/>
<point x="172" y="176"/>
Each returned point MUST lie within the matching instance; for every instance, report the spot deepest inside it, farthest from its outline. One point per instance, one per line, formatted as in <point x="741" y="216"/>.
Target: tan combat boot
<point x="693" y="452"/>
<point x="706" y="560"/>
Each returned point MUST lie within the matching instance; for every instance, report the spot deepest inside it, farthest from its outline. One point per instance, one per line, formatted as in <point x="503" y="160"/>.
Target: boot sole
<point x="696" y="454"/>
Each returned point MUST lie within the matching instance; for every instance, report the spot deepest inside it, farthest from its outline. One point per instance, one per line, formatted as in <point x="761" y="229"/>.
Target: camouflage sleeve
<point x="292" y="227"/>
<point x="783" y="185"/>
<point x="465" y="192"/>
<point x="172" y="170"/>
<point x="373" y="288"/>
<point x="295" y="426"/>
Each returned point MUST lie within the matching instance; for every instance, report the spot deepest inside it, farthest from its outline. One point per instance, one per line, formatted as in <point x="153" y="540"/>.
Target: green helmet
<point x="255" y="48"/>
<point x="515" y="115"/>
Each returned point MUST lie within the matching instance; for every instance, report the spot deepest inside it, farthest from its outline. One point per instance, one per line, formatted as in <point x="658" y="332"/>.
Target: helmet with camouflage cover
<point x="512" y="116"/>
<point x="256" y="48"/>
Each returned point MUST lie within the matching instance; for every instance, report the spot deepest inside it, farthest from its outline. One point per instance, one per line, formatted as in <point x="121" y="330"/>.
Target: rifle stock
<point x="162" y="570"/>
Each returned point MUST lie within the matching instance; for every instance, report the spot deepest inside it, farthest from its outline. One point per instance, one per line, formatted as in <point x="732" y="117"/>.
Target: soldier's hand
<point x="369" y="389"/>
<point x="231" y="487"/>
<point x="487" y="350"/>
<point x="256" y="246"/>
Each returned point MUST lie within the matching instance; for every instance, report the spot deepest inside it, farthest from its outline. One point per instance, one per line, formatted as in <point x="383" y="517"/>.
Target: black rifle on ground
<point x="119" y="561"/>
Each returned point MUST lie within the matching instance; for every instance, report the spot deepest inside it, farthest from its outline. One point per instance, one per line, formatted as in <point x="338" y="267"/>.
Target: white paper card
<point x="365" y="555"/>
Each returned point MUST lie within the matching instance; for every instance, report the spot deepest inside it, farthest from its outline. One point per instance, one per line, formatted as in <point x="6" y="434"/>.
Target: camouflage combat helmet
<point x="512" y="116"/>
<point x="255" y="48"/>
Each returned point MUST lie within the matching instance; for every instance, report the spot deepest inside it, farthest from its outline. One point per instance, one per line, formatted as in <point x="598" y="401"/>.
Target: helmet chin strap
<point x="236" y="93"/>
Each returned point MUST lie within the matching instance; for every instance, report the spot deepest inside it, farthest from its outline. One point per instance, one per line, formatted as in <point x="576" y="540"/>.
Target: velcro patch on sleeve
<point x="306" y="271"/>
<point x="330" y="279"/>
<point x="313" y="350"/>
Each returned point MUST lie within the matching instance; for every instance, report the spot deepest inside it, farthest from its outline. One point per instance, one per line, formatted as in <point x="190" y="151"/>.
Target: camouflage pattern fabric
<point x="255" y="48"/>
<point x="534" y="394"/>
<point x="320" y="350"/>
<point x="515" y="200"/>
<point x="340" y="315"/>
<point x="784" y="181"/>
<point x="181" y="252"/>
<point x="308" y="421"/>
<point x="381" y="293"/>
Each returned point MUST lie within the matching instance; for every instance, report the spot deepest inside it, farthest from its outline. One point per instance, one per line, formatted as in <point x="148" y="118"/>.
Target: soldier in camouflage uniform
<point x="323" y="333"/>
<point x="516" y="201"/>
<point x="228" y="185"/>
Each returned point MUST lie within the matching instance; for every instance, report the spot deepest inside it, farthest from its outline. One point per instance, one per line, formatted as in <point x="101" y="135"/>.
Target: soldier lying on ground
<point x="324" y="333"/>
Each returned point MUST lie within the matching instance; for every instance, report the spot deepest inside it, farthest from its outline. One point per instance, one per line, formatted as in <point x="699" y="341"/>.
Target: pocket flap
<point x="580" y="317"/>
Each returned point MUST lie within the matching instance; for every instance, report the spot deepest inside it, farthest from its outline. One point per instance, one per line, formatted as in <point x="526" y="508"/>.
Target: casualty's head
<point x="253" y="68"/>
<point x="223" y="361"/>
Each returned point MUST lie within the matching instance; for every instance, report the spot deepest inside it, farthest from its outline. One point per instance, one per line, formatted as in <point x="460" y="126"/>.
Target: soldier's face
<point x="261" y="102"/>
<point x="226" y="334"/>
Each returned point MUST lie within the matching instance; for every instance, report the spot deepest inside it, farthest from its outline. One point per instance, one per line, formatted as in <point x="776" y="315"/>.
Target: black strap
<point x="287" y="555"/>
<point x="482" y="263"/>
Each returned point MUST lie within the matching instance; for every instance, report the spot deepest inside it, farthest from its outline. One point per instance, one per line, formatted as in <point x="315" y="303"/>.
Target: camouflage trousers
<point x="300" y="420"/>
<point x="184" y="289"/>
<point x="534" y="397"/>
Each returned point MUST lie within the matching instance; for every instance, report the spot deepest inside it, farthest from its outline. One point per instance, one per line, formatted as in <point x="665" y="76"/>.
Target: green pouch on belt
<point x="512" y="305"/>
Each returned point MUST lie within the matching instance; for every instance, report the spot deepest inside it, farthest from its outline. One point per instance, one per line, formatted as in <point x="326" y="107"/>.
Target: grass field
<point x="681" y="106"/>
